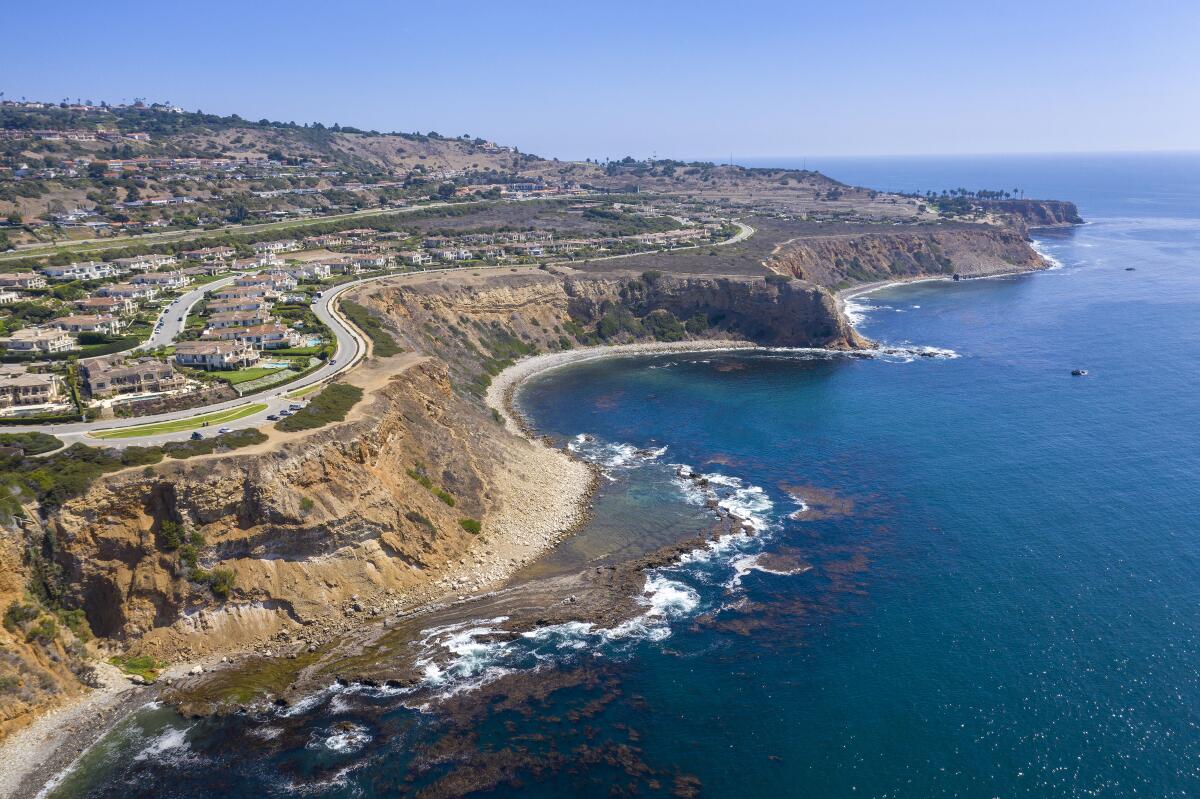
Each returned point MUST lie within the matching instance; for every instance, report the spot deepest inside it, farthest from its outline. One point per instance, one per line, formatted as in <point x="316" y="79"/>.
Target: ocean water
<point x="971" y="575"/>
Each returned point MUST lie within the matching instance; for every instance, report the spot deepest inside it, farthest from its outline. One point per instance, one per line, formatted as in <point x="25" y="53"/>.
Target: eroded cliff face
<point x="42" y="659"/>
<point x="967" y="250"/>
<point x="476" y="326"/>
<point x="1038" y="213"/>
<point x="318" y="534"/>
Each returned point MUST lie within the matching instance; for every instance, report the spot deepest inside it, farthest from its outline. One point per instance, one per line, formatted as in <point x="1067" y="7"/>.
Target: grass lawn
<point x="304" y="392"/>
<point x="181" y="424"/>
<point x="246" y="375"/>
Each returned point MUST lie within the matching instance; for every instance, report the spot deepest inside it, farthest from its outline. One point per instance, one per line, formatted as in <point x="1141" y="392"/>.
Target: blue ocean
<point x="966" y="575"/>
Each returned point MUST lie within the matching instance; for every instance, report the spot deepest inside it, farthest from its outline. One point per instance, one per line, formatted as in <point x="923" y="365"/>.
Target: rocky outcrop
<point x="473" y="324"/>
<point x="839" y="261"/>
<point x="770" y="311"/>
<point x="1036" y="213"/>
<point x="42" y="655"/>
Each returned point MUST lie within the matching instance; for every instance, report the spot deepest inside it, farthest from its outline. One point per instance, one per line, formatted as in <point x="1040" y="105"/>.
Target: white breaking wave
<point x="1041" y="250"/>
<point x="611" y="456"/>
<point x="172" y="741"/>
<point x="344" y="739"/>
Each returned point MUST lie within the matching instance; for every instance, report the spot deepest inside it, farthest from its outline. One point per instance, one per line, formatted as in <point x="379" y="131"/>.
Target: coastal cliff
<point x="840" y="261"/>
<point x="1037" y="213"/>
<point x="316" y="535"/>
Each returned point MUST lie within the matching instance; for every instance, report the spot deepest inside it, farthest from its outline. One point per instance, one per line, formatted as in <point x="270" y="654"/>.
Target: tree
<point x="97" y="169"/>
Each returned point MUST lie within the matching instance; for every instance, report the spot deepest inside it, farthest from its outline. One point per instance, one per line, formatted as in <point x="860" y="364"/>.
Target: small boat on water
<point x="1079" y="372"/>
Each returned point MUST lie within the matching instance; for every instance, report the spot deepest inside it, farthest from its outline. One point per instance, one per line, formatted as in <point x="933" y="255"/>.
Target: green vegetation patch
<point x="143" y="666"/>
<point x="382" y="341"/>
<point x="472" y="526"/>
<point x="31" y="443"/>
<point x="331" y="405"/>
<point x="246" y="375"/>
<point x="180" y="425"/>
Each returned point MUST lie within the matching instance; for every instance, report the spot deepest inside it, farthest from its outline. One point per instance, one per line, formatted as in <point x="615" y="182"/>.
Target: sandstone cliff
<point x="1037" y="213"/>
<point x="838" y="261"/>
<point x="317" y="533"/>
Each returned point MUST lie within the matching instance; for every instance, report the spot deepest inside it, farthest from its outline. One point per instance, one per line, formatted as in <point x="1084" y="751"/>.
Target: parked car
<point x="272" y="418"/>
<point x="225" y="430"/>
<point x="285" y="412"/>
<point x="196" y="435"/>
<point x="295" y="406"/>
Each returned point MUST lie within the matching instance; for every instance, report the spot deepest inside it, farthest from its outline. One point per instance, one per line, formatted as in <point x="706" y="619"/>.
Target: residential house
<point x="369" y="262"/>
<point x="211" y="254"/>
<point x="39" y="340"/>
<point x="22" y="280"/>
<point x="278" y="281"/>
<point x="275" y="247"/>
<point x="238" y="304"/>
<point x="237" y="319"/>
<point x="106" y="324"/>
<point x="270" y="336"/>
<point x="215" y="354"/>
<point x="20" y="388"/>
<point x="120" y="306"/>
<point x="242" y="292"/>
<point x="143" y="291"/>
<point x="164" y="280"/>
<point x="414" y="258"/>
<point x="314" y="271"/>
<point x="144" y="263"/>
<point x="109" y="375"/>
<point x="329" y="240"/>
<point x="9" y="297"/>
<point x="88" y="270"/>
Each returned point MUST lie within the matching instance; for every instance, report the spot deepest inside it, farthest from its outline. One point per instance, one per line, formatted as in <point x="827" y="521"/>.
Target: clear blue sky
<point x="684" y="79"/>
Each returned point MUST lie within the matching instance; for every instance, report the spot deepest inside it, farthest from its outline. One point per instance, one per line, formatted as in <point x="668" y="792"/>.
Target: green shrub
<point x="18" y="614"/>
<point x="472" y="526"/>
<point x="417" y="518"/>
<point x="220" y="582"/>
<point x="444" y="496"/>
<point x="697" y="324"/>
<point x="306" y="504"/>
<point x="32" y="443"/>
<point x="76" y="621"/>
<point x="663" y="326"/>
<point x="382" y="342"/>
<point x="171" y="533"/>
<point x="44" y="631"/>
<point x="419" y="475"/>
<point x="331" y="405"/>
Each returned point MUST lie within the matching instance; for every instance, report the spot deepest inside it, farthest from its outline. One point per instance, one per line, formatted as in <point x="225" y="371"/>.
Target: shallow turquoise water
<point x="994" y="592"/>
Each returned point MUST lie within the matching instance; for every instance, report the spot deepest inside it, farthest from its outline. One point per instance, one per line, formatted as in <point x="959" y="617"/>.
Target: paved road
<point x="350" y="348"/>
<point x="174" y="316"/>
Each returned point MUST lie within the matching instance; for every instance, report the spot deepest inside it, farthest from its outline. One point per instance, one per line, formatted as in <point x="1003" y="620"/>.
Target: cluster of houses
<point x="240" y="324"/>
